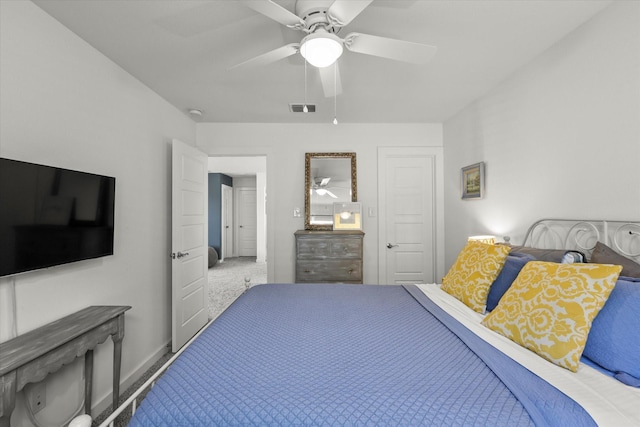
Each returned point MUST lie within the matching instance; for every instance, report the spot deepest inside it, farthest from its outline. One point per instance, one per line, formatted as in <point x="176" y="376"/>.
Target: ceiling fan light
<point x="321" y="49"/>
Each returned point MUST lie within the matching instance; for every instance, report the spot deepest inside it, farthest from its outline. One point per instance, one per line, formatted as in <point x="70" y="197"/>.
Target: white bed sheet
<point x="607" y="400"/>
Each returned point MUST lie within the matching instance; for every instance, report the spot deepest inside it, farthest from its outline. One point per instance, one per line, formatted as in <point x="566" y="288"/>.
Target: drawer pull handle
<point x="306" y="270"/>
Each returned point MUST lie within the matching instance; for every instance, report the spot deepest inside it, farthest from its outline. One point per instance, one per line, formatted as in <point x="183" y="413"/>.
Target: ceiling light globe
<point x="321" y="49"/>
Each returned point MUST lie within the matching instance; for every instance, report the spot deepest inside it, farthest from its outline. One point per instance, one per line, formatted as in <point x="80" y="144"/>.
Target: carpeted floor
<point x="227" y="281"/>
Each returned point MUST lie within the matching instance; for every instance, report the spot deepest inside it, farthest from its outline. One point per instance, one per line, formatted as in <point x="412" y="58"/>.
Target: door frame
<point x="438" y="228"/>
<point x="266" y="209"/>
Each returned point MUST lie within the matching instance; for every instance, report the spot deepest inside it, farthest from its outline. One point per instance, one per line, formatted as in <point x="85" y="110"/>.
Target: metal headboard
<point x="582" y="235"/>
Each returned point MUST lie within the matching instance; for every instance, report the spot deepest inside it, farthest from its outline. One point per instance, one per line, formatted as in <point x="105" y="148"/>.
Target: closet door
<point x="227" y="248"/>
<point x="247" y="222"/>
<point x="408" y="226"/>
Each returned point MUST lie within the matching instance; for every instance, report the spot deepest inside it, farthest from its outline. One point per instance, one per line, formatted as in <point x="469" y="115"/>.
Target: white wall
<point x="560" y="138"/>
<point x="65" y="104"/>
<point x="285" y="146"/>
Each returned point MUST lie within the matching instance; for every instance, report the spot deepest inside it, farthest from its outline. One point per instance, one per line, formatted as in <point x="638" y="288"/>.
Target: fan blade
<point x="341" y="12"/>
<point x="331" y="194"/>
<point x="325" y="181"/>
<point x="271" y="56"/>
<point x="399" y="50"/>
<point x="327" y="79"/>
<point x="276" y="12"/>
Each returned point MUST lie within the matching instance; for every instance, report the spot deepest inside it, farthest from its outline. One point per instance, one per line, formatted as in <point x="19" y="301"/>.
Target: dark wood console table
<point x="32" y="356"/>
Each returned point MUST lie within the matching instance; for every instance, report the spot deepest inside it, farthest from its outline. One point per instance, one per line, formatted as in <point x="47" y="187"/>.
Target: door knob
<point x="389" y="245"/>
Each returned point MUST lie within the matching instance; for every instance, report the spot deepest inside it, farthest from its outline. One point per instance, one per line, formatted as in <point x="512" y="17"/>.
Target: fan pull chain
<point x="335" y="93"/>
<point x="305" y="109"/>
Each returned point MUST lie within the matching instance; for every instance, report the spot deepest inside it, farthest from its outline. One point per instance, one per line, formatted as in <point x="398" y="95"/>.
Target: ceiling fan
<point x="321" y="20"/>
<point x="320" y="187"/>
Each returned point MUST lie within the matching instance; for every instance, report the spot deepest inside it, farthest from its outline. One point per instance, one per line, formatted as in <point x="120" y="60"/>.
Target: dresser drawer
<point x="330" y="270"/>
<point x="347" y="247"/>
<point x="320" y="248"/>
<point x="313" y="248"/>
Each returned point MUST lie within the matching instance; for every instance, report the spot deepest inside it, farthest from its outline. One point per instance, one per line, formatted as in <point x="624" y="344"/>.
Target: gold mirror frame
<point x="308" y="185"/>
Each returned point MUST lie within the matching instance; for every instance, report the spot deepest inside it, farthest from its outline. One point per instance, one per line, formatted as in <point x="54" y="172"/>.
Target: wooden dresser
<point x="329" y="256"/>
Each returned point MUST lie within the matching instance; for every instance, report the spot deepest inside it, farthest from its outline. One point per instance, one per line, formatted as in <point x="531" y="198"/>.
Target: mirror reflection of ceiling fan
<point x="320" y="187"/>
<point x="321" y="20"/>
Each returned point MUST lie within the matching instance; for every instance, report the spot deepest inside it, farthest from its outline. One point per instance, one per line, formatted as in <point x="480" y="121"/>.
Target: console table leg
<point x="117" y="351"/>
<point x="88" y="380"/>
<point x="117" y="354"/>
<point x="7" y="398"/>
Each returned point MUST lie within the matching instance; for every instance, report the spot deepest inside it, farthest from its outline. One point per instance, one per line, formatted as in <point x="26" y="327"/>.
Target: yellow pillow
<point x="475" y="269"/>
<point x="549" y="308"/>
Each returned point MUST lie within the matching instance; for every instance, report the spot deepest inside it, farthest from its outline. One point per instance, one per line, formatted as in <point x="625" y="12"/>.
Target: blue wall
<point x="216" y="180"/>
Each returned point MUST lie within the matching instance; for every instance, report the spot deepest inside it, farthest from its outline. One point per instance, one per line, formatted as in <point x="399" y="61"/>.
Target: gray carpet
<point x="227" y="281"/>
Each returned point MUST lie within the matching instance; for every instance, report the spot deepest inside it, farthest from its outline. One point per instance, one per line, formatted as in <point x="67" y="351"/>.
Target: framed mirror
<point x="329" y="178"/>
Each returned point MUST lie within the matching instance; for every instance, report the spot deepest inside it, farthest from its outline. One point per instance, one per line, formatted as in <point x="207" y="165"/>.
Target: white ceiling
<point x="183" y="49"/>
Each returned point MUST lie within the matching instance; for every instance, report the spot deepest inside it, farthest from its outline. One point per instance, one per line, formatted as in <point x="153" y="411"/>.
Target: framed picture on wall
<point x="472" y="180"/>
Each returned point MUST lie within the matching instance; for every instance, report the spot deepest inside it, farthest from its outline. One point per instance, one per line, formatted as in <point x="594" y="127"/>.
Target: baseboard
<point x="105" y="401"/>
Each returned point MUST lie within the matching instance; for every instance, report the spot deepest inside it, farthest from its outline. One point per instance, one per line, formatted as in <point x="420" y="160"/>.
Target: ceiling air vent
<point x="297" y="108"/>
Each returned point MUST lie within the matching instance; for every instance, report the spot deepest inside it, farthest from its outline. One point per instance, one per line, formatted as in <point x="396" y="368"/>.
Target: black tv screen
<point x="51" y="216"/>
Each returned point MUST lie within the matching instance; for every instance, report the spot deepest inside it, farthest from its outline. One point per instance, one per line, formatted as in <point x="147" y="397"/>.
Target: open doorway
<point x="238" y="182"/>
<point x="237" y="226"/>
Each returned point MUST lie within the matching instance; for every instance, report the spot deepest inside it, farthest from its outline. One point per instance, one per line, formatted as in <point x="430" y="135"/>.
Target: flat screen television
<point x="51" y="216"/>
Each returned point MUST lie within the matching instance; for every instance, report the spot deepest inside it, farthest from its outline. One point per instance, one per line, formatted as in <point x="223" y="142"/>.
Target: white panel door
<point x="247" y="222"/>
<point x="227" y="248"/>
<point x="189" y="249"/>
<point x="407" y="209"/>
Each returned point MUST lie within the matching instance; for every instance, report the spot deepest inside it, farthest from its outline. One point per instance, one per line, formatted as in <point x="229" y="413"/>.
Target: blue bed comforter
<point x="328" y="355"/>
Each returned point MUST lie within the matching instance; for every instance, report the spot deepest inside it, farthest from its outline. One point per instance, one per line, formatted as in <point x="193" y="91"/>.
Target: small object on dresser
<point x="347" y="216"/>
